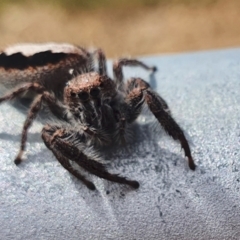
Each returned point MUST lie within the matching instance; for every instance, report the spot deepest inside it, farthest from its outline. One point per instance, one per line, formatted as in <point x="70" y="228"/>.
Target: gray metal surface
<point x="40" y="200"/>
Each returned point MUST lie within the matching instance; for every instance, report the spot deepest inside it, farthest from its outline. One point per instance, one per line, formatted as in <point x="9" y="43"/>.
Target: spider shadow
<point x="32" y="137"/>
<point x="126" y="162"/>
<point x="115" y="156"/>
<point x="153" y="81"/>
<point x="41" y="156"/>
<point x="154" y="176"/>
<point x="22" y="105"/>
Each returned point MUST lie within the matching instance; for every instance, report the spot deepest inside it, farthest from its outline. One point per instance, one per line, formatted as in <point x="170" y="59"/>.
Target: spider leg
<point x="169" y="124"/>
<point x="118" y="65"/>
<point x="130" y="109"/>
<point x="22" y="89"/>
<point x="48" y="138"/>
<point x="140" y="91"/>
<point x="64" y="148"/>
<point x="32" y="113"/>
<point x="101" y="59"/>
<point x="35" y="107"/>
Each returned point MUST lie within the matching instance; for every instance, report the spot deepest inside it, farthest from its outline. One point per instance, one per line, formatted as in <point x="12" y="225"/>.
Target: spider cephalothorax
<point x="92" y="110"/>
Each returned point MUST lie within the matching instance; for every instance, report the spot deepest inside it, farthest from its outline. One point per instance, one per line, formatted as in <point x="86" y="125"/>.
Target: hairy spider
<point x="92" y="109"/>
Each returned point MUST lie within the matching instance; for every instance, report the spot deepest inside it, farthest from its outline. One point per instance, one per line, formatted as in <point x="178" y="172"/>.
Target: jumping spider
<point x="92" y="109"/>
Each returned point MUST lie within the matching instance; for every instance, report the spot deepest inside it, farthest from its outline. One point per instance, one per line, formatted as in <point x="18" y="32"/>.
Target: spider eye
<point x="83" y="96"/>
<point x="94" y="92"/>
<point x="73" y="94"/>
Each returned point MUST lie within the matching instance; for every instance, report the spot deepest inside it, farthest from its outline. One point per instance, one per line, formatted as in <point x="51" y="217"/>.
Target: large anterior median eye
<point x="94" y="92"/>
<point x="83" y="96"/>
<point x="73" y="94"/>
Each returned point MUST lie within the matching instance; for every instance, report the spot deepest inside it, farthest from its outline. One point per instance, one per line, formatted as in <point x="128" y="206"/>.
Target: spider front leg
<point x="118" y="65"/>
<point x="49" y="136"/>
<point x="169" y="124"/>
<point x="68" y="145"/>
<point x="140" y="91"/>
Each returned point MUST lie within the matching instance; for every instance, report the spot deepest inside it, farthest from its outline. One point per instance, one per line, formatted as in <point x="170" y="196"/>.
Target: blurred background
<point x="123" y="27"/>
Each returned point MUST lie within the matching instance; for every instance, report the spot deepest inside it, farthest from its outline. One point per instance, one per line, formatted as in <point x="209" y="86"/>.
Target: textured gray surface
<point x="40" y="200"/>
